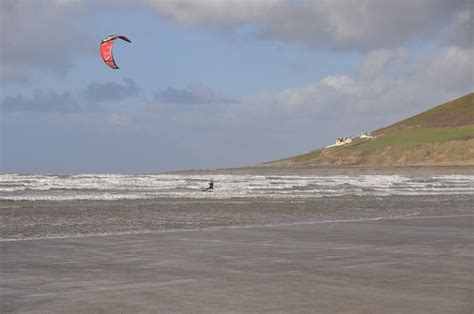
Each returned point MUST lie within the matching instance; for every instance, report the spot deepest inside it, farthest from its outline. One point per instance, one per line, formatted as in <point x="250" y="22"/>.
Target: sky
<point x="217" y="83"/>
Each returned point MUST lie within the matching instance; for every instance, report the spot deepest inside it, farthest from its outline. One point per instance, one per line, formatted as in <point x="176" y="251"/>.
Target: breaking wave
<point x="117" y="186"/>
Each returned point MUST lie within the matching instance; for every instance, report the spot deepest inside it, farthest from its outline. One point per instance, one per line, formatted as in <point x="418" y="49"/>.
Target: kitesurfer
<point x="211" y="186"/>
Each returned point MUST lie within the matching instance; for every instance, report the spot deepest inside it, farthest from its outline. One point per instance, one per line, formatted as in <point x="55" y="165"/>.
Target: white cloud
<point x="377" y="88"/>
<point x="452" y="69"/>
<point x="399" y="85"/>
<point x="214" y="12"/>
<point x="40" y="34"/>
<point x="41" y="101"/>
<point x="111" y="91"/>
<point x="360" y="25"/>
<point x="117" y="119"/>
<point x="376" y="61"/>
<point x="192" y="95"/>
<point x="350" y="24"/>
<point x="462" y="30"/>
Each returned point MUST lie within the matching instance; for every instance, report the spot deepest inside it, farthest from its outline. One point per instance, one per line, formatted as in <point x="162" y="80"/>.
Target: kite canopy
<point x="106" y="49"/>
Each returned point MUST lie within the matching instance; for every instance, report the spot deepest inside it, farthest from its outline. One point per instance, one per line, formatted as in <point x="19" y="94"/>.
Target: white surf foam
<point x="115" y="187"/>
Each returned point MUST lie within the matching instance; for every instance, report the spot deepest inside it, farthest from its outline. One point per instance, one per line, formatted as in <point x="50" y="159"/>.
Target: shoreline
<point x="325" y="170"/>
<point x="222" y="228"/>
<point x="43" y="219"/>
<point x="316" y="170"/>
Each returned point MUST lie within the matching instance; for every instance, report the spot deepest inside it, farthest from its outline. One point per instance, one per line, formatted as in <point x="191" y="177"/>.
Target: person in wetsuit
<point x="211" y="186"/>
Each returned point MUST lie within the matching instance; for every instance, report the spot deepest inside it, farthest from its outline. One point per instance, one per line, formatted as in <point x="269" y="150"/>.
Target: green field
<point x="443" y="134"/>
<point x="417" y="136"/>
<point x="456" y="113"/>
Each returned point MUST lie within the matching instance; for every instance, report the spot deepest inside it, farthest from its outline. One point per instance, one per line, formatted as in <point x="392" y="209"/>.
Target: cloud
<point x="46" y="35"/>
<point x="192" y="95"/>
<point x="214" y="13"/>
<point x="389" y="84"/>
<point x="378" y="60"/>
<point x="117" y="119"/>
<point x="47" y="101"/>
<point x="111" y="91"/>
<point x="327" y="97"/>
<point x="462" y="29"/>
<point x="42" y="101"/>
<point x="450" y="70"/>
<point x="41" y="35"/>
<point x="361" y="25"/>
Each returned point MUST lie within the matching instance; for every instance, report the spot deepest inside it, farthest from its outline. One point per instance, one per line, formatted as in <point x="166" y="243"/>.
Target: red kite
<point x="106" y="49"/>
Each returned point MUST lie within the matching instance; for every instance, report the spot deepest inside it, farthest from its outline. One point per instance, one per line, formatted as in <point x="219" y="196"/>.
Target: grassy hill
<point x="456" y="113"/>
<point x="441" y="135"/>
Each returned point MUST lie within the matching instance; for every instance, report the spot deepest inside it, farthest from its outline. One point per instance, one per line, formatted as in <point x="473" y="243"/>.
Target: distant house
<point x="341" y="141"/>
<point x="346" y="140"/>
<point x="365" y="135"/>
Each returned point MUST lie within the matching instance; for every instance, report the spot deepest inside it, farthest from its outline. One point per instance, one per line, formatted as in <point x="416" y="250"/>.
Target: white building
<point x="365" y="135"/>
<point x="341" y="141"/>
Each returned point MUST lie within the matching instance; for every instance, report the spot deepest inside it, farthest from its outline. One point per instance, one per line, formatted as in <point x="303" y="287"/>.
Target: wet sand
<point x="55" y="219"/>
<point x="353" y="254"/>
<point x="410" y="265"/>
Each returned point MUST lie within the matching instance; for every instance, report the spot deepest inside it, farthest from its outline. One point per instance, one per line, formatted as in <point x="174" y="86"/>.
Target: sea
<point x="53" y="187"/>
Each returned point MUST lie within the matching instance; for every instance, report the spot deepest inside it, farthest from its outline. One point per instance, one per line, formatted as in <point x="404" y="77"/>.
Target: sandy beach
<point x="349" y="254"/>
<point x="410" y="265"/>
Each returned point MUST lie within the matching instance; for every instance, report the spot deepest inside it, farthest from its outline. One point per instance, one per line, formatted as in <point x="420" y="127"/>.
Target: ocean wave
<point x="115" y="186"/>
